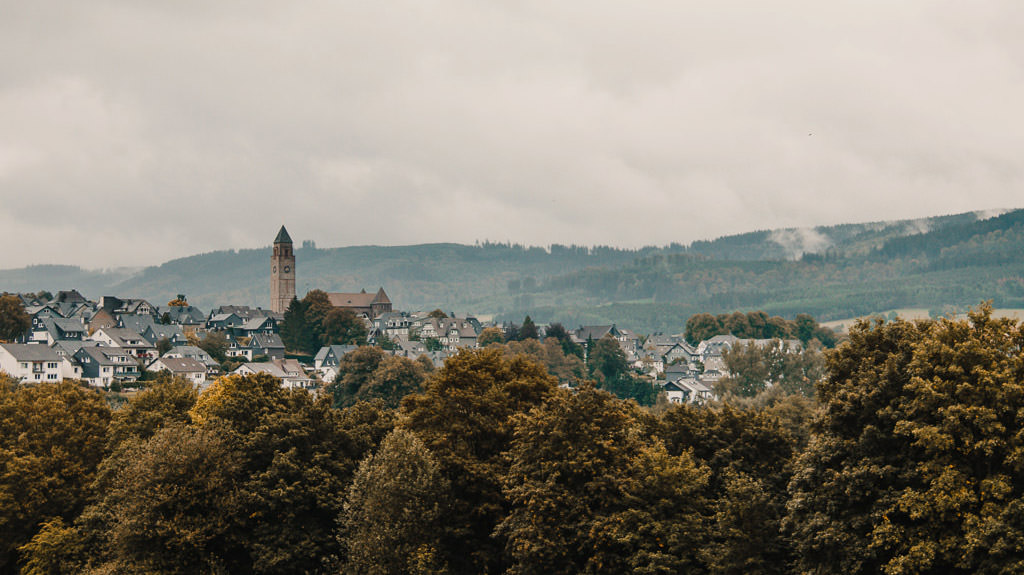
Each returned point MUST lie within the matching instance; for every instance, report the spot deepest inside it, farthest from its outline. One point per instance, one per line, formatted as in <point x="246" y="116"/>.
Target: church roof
<point x="361" y="299"/>
<point x="283" y="237"/>
<point x="381" y="297"/>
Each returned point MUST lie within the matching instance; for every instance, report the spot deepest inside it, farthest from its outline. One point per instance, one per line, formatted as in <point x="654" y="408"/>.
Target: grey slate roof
<point x="283" y="237"/>
<point x="30" y="352"/>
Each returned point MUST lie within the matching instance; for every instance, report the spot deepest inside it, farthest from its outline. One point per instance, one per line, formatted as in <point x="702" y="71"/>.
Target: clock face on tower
<point x="287" y="269"/>
<point x="275" y="269"/>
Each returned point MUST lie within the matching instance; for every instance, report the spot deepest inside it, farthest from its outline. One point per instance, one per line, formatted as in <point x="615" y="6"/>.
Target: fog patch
<point x="799" y="241"/>
<point x="989" y="214"/>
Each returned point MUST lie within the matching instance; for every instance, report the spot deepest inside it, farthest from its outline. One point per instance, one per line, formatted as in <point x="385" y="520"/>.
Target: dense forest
<point x="835" y="272"/>
<point x="907" y="459"/>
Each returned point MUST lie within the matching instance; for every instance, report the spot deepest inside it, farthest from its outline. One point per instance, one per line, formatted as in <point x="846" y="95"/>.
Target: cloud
<point x="145" y="131"/>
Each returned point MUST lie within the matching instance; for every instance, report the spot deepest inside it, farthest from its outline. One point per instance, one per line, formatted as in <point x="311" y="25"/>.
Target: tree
<point x="163" y="345"/>
<point x="215" y="343"/>
<point x="342" y="327"/>
<point x="749" y="453"/>
<point x="368" y="373"/>
<point x="591" y="493"/>
<point x="160" y="405"/>
<point x="52" y="439"/>
<point x="386" y="343"/>
<point x="392" y="513"/>
<point x="557" y="332"/>
<point x="14" y="321"/>
<point x="432" y="344"/>
<point x="755" y="368"/>
<point x="528" y="330"/>
<point x="298" y="455"/>
<point x="607" y="360"/>
<point x="568" y="369"/>
<point x="295" y="332"/>
<point x="488" y="336"/>
<point x="192" y="528"/>
<point x="466" y="417"/>
<point x="914" y="465"/>
<point x="702" y="326"/>
<point x="179" y="301"/>
<point x="438" y="314"/>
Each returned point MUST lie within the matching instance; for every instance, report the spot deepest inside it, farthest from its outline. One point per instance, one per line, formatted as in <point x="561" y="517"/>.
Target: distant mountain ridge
<point x="829" y="271"/>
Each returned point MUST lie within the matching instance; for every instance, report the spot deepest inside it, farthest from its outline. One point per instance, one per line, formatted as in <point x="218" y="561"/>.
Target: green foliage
<point x="294" y="332"/>
<point x="392" y="513"/>
<point x="259" y="476"/>
<point x="528" y="329"/>
<point x="14" y="321"/>
<point x="369" y="373"/>
<point x="568" y="369"/>
<point x="342" y="327"/>
<point x="590" y="493"/>
<point x="754" y="368"/>
<point x="606" y="360"/>
<point x="465" y="416"/>
<point x="914" y="468"/>
<point x="384" y="342"/>
<point x="51" y="442"/>
<point x="163" y="345"/>
<point x="163" y="403"/>
<point x="215" y="343"/>
<point x="488" y="336"/>
<point x="433" y="344"/>
<point x="749" y="454"/>
<point x="629" y="386"/>
<point x="557" y="332"/>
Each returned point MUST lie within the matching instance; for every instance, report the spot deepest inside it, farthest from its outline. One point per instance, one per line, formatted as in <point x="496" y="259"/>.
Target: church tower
<point x="282" y="272"/>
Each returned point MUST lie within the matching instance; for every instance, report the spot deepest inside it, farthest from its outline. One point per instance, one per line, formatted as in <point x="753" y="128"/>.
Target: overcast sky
<point x="134" y="132"/>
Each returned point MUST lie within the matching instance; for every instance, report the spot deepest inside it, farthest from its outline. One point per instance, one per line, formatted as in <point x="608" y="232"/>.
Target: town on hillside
<point x="119" y="342"/>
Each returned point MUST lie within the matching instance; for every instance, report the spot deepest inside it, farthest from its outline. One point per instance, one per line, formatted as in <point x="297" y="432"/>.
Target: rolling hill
<point x="831" y="272"/>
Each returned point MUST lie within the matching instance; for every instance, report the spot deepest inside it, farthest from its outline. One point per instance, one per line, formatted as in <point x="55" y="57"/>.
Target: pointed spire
<point x="283" y="237"/>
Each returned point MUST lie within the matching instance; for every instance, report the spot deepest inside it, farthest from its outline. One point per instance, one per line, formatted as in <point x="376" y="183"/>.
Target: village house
<point x="125" y="339"/>
<point x="36" y="363"/>
<point x="184" y="367"/>
<point x="102" y="365"/>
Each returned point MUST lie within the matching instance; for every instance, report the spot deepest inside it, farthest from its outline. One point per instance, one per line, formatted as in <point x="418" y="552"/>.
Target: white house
<point x="36" y="363"/>
<point x="185" y="367"/>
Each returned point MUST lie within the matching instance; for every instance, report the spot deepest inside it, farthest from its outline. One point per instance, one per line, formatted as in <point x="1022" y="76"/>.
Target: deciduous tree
<point x="391" y="523"/>
<point x="14" y="321"/>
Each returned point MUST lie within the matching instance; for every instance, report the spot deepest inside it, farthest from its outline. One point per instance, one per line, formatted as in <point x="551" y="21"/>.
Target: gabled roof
<point x="58" y="325"/>
<point x="266" y="340"/>
<point x="595" y="332"/>
<point x="255" y="323"/>
<point x="136" y="323"/>
<point x="121" y="335"/>
<point x="104" y="355"/>
<point x="181" y="365"/>
<point x="30" y="352"/>
<point x="361" y="299"/>
<point x="381" y="297"/>
<point x="283" y="237"/>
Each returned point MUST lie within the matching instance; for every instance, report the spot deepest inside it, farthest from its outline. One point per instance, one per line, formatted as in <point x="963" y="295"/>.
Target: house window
<point x="52" y="365"/>
<point x="51" y="376"/>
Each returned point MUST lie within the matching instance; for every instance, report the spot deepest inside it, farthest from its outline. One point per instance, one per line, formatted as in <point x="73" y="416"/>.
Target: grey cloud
<point x="157" y="130"/>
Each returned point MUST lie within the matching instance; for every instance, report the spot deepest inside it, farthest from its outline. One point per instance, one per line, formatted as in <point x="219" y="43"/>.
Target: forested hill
<point x="831" y="272"/>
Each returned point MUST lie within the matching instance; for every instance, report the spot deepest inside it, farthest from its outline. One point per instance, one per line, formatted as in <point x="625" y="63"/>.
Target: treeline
<point x="909" y="463"/>
<point x="757" y="325"/>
